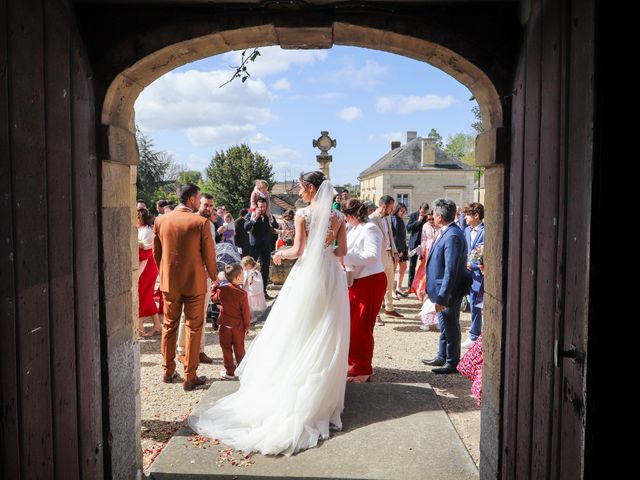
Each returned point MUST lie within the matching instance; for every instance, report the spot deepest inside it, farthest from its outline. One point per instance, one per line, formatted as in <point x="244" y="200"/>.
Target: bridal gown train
<point x="292" y="379"/>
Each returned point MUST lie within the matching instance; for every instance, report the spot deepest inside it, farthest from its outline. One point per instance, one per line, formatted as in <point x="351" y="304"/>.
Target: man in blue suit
<point x="414" y="227"/>
<point x="474" y="236"/>
<point x="448" y="280"/>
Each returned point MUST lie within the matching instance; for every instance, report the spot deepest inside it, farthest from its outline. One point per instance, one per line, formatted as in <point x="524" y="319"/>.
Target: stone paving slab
<point x="390" y="431"/>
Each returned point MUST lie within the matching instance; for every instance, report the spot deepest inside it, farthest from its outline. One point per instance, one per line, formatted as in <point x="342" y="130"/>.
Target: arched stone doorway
<point x="119" y="194"/>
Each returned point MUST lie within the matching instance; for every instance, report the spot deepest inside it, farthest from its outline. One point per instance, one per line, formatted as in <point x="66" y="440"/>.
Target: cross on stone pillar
<point x="324" y="143"/>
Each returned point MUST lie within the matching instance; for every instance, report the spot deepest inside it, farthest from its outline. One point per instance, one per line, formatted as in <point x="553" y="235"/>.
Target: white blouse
<point x="364" y="250"/>
<point x="145" y="236"/>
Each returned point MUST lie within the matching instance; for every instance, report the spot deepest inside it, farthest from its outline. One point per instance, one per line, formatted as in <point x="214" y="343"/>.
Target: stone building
<point x="417" y="172"/>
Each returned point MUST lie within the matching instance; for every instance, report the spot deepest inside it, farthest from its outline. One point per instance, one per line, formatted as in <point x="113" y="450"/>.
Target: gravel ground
<point x="399" y="347"/>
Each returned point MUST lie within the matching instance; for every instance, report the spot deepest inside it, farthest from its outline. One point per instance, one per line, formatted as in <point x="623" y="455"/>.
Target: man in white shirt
<point x="382" y="219"/>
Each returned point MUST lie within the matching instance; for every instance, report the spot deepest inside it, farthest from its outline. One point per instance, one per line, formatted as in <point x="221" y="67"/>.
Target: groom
<point x="448" y="280"/>
<point x="182" y="246"/>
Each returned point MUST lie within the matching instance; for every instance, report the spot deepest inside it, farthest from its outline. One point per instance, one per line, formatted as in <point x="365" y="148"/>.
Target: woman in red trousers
<point x="364" y="260"/>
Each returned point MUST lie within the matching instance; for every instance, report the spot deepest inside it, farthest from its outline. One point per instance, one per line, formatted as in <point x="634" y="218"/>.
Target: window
<point x="403" y="198"/>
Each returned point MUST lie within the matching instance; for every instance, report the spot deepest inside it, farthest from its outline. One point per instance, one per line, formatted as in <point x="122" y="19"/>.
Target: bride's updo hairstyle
<point x="312" y="178"/>
<point x="357" y="209"/>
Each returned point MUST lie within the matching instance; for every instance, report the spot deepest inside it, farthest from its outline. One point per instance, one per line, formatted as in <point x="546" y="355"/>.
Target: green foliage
<point x="354" y="190"/>
<point x="230" y="176"/>
<point x="434" y="135"/>
<point x="463" y="147"/>
<point x="154" y="167"/>
<point x="477" y="125"/>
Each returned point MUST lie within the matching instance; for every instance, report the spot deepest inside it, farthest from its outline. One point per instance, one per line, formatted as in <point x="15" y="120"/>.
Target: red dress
<point x="470" y="366"/>
<point x="146" y="284"/>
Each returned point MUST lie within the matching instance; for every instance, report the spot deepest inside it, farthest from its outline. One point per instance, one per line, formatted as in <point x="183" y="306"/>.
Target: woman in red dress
<point x="148" y="273"/>
<point x="364" y="260"/>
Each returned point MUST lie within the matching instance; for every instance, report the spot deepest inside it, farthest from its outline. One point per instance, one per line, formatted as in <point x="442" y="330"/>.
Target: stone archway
<point x="119" y="194"/>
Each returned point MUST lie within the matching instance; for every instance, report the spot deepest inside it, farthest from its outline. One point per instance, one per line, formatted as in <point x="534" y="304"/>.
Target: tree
<point x="354" y="190"/>
<point x="436" y="137"/>
<point x="231" y="175"/>
<point x="477" y="125"/>
<point x="463" y="147"/>
<point x="153" y="168"/>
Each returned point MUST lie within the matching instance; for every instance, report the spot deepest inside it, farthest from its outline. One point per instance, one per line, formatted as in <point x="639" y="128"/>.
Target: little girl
<point x="254" y="287"/>
<point x="229" y="234"/>
<point x="261" y="190"/>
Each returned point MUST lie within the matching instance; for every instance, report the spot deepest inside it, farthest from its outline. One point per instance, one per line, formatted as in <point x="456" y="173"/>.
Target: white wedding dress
<point x="292" y="379"/>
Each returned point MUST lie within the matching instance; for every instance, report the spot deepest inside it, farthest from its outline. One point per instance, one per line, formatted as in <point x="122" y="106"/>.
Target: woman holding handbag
<point x="363" y="262"/>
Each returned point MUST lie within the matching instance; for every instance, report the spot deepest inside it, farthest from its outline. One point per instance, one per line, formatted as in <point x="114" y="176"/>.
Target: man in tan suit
<point x="182" y="246"/>
<point x="382" y="219"/>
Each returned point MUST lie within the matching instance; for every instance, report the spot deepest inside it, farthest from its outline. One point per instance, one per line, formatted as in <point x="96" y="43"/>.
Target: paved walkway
<point x="391" y="431"/>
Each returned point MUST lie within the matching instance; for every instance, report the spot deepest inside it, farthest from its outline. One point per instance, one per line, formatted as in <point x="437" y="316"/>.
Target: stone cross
<point x="324" y="143"/>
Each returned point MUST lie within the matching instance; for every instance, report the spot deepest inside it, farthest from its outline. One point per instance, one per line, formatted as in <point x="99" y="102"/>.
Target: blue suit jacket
<point x="475" y="270"/>
<point x="448" y="279"/>
<point x="414" y="227"/>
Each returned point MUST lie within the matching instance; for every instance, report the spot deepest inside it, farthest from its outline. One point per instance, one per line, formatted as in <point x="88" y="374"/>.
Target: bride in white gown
<point x="292" y="379"/>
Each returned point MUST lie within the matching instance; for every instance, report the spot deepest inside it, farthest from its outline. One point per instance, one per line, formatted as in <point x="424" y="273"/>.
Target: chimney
<point x="411" y="136"/>
<point x="395" y="144"/>
<point x="428" y="152"/>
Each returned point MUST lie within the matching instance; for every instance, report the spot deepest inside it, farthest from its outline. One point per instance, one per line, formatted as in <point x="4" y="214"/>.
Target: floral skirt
<point x="470" y="366"/>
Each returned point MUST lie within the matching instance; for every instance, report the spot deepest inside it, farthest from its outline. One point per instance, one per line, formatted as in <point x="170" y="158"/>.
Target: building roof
<point x="409" y="157"/>
<point x="281" y="203"/>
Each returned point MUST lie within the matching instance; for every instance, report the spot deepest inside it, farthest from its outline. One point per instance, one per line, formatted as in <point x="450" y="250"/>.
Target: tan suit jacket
<point x="378" y="219"/>
<point x="182" y="246"/>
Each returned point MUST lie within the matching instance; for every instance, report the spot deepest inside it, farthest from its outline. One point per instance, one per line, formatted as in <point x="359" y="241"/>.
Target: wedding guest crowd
<point x="442" y="249"/>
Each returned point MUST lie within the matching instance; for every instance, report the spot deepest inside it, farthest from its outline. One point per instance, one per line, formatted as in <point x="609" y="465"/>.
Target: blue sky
<point x="364" y="98"/>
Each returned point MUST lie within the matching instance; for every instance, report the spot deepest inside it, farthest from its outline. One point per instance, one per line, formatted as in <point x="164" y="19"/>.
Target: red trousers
<point x="365" y="299"/>
<point x="231" y="341"/>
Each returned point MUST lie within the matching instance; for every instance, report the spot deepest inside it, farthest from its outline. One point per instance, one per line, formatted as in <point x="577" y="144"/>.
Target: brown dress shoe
<point x="196" y="382"/>
<point x="169" y="377"/>
<point x="393" y="313"/>
<point x="204" y="358"/>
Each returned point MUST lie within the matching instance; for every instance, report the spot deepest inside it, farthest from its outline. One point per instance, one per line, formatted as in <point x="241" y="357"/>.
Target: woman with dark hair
<point x="287" y="230"/>
<point x="400" y="240"/>
<point x="148" y="273"/>
<point x="292" y="379"/>
<point x="364" y="261"/>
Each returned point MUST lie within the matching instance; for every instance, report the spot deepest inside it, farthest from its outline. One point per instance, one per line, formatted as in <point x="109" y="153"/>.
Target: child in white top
<point x="253" y="285"/>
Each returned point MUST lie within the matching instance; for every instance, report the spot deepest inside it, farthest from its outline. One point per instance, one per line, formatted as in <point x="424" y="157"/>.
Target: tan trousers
<point x="194" y="320"/>
<point x="181" y="329"/>
<point x="389" y="270"/>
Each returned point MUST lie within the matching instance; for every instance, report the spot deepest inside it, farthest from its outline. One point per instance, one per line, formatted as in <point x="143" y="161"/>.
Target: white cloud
<point x="350" y="114"/>
<point x="259" y="138"/>
<point x="331" y="96"/>
<point x="282" y="84"/>
<point x="281" y="156"/>
<point x="273" y="60"/>
<point x="224" y="134"/>
<point x="405" y="104"/>
<point x="192" y="101"/>
<point x="366" y="76"/>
